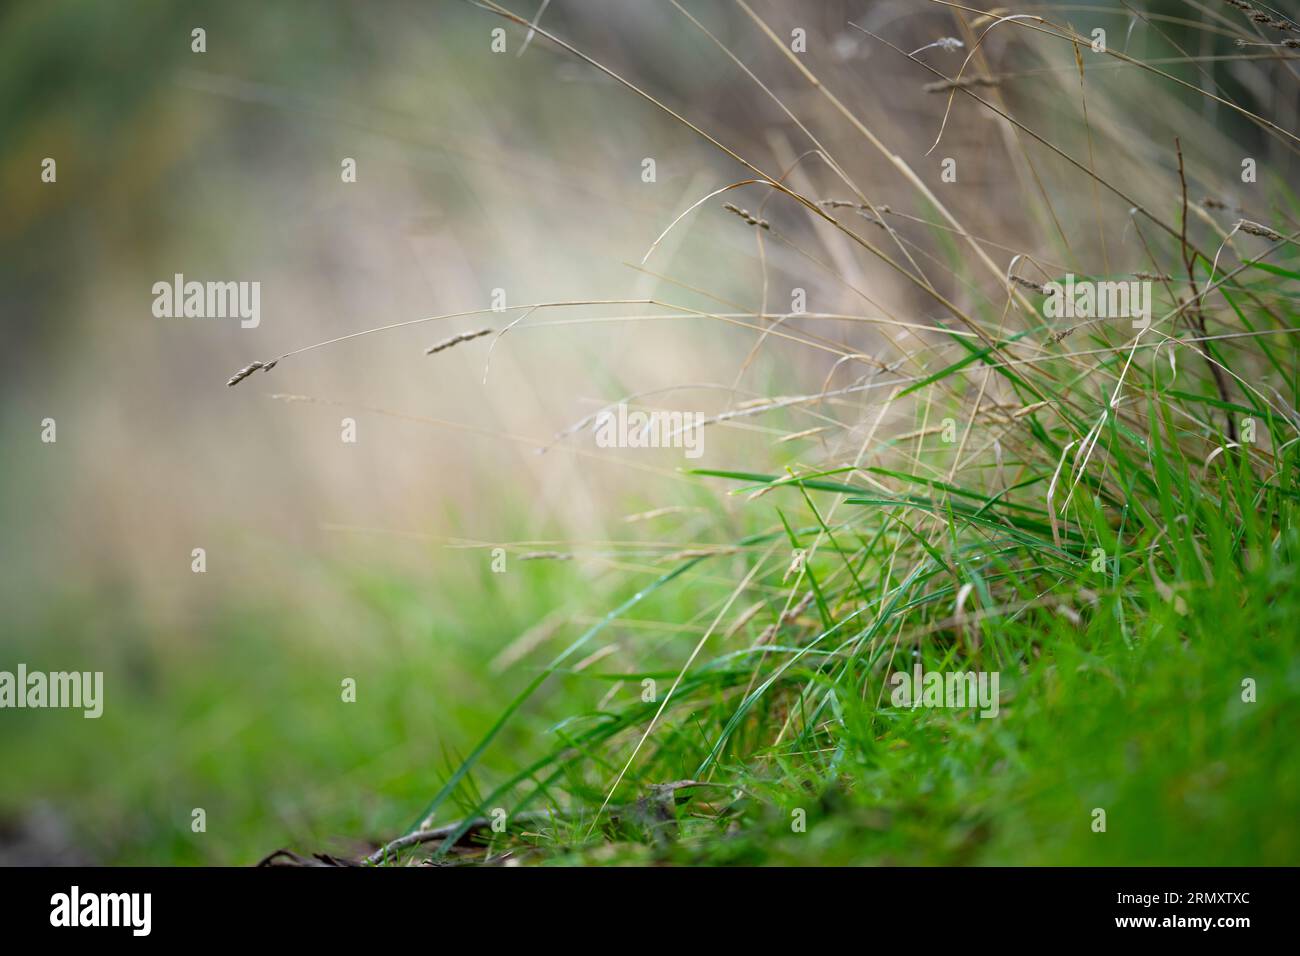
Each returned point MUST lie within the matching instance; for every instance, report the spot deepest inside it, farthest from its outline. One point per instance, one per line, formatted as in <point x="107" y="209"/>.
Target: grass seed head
<point x="248" y="370"/>
<point x="456" y="340"/>
<point x="1256" y="229"/>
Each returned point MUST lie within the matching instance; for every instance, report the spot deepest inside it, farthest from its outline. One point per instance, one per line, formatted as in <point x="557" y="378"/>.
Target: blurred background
<point x="476" y="171"/>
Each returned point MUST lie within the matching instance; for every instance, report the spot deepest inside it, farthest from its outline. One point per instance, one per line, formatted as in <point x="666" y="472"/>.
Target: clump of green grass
<point x="1103" y="515"/>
